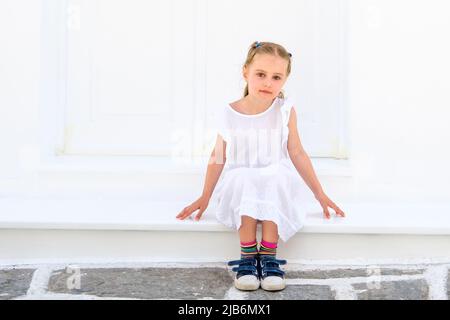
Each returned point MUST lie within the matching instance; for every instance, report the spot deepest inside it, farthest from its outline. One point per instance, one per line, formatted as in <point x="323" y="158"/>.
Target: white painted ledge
<point x="102" y="213"/>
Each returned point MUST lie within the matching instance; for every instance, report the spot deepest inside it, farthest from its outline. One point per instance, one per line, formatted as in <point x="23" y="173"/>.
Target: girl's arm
<point x="300" y="158"/>
<point x="215" y="166"/>
<point x="303" y="164"/>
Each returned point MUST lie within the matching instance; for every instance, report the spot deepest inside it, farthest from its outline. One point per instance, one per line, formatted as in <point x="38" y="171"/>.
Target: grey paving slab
<point x="326" y="274"/>
<point x="393" y="290"/>
<point x="147" y="283"/>
<point x="14" y="282"/>
<point x="295" y="292"/>
<point x="349" y="273"/>
<point x="399" y="272"/>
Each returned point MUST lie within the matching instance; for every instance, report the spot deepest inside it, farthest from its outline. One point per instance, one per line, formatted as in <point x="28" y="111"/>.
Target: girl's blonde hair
<point x="267" y="48"/>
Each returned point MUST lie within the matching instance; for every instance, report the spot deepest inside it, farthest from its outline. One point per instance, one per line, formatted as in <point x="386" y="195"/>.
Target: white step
<point x="114" y="227"/>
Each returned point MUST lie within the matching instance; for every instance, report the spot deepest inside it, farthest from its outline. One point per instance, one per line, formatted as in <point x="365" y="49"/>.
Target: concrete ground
<point x="423" y="281"/>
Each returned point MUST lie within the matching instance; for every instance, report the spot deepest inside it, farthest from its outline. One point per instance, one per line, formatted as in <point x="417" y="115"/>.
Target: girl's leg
<point x="269" y="241"/>
<point x="247" y="235"/>
<point x="269" y="231"/>
<point x="247" y="231"/>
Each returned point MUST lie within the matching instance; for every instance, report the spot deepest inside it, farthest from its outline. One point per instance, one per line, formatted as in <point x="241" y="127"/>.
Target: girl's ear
<point x="245" y="72"/>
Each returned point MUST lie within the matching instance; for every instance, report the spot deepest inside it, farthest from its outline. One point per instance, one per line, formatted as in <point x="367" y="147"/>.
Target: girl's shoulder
<point x="287" y="103"/>
<point x="237" y="106"/>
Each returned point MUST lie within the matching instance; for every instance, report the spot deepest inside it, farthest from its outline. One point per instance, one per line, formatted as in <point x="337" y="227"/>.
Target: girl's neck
<point x="255" y="105"/>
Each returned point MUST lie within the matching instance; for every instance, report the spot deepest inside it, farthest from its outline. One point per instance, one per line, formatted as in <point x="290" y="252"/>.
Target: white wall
<point x="398" y="99"/>
<point x="19" y="81"/>
<point x="399" y="94"/>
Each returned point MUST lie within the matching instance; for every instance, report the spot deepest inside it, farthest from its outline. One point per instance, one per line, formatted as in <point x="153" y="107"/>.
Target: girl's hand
<point x="325" y="202"/>
<point x="200" y="204"/>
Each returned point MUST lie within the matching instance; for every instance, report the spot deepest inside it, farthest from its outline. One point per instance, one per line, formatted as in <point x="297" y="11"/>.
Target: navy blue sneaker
<point x="272" y="277"/>
<point x="247" y="277"/>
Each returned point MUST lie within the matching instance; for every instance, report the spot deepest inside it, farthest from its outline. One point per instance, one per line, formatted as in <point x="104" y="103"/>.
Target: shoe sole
<point x="272" y="287"/>
<point x="246" y="286"/>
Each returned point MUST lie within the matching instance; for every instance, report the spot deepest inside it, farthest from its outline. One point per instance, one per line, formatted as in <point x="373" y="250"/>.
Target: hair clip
<point x="290" y="55"/>
<point x="258" y="44"/>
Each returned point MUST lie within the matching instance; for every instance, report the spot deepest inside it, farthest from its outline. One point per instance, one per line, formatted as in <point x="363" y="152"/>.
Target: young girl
<point x="259" y="142"/>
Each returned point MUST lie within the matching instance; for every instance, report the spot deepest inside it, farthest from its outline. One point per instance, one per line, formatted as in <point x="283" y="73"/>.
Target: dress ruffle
<point x="285" y="114"/>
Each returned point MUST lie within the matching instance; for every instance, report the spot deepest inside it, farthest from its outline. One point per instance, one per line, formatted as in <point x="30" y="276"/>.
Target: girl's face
<point x="265" y="76"/>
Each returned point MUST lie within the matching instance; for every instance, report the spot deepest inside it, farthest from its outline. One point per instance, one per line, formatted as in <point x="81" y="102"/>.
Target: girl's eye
<point x="263" y="75"/>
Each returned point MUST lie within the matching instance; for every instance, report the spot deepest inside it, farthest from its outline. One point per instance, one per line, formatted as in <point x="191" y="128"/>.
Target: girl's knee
<point x="269" y="223"/>
<point x="248" y="219"/>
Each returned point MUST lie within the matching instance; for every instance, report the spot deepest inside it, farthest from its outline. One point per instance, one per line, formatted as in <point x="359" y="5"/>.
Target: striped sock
<point x="249" y="249"/>
<point x="268" y="248"/>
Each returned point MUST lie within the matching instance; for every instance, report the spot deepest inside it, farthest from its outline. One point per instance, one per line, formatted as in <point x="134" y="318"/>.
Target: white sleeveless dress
<point x="259" y="179"/>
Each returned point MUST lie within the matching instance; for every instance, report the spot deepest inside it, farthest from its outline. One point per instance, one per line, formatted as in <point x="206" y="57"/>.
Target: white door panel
<point x="129" y="76"/>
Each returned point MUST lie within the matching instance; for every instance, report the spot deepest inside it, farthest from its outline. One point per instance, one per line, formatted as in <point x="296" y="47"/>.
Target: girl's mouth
<point x="266" y="92"/>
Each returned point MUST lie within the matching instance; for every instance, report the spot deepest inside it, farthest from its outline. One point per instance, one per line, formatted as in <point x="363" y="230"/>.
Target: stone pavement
<point x="215" y="281"/>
